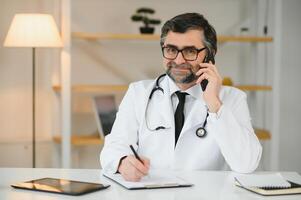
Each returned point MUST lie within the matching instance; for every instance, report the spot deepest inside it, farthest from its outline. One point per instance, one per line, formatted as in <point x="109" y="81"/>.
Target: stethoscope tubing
<point x="200" y="132"/>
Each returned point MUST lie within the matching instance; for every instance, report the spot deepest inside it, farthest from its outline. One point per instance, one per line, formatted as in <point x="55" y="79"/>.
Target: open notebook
<point x="268" y="184"/>
<point x="156" y="179"/>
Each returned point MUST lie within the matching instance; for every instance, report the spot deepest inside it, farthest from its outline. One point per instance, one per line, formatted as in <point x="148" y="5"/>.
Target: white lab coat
<point x="230" y="140"/>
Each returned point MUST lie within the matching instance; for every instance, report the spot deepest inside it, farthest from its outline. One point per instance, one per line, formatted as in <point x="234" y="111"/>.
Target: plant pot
<point x="147" y="30"/>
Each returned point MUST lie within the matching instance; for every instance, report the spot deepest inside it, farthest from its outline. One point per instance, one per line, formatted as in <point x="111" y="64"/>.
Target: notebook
<point x="268" y="184"/>
<point x="154" y="180"/>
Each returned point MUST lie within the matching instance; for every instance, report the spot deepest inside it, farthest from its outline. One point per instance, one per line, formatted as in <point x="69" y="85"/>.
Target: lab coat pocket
<point x="156" y="145"/>
<point x="198" y="152"/>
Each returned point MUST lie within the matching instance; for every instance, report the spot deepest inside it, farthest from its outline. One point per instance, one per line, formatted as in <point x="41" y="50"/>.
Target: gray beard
<point x="187" y="79"/>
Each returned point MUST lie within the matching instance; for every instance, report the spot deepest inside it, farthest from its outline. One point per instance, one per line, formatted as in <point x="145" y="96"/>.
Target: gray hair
<point x="191" y="21"/>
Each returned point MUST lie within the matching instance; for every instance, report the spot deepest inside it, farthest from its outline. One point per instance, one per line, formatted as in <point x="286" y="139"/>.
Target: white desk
<point x="211" y="185"/>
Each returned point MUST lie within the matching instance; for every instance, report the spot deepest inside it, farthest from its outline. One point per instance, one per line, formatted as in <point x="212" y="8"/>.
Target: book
<point x="157" y="179"/>
<point x="268" y="184"/>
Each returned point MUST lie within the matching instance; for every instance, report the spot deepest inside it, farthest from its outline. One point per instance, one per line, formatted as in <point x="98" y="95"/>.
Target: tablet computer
<point x="61" y="186"/>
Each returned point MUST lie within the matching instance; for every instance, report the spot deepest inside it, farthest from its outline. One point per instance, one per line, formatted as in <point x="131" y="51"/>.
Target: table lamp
<point x="33" y="30"/>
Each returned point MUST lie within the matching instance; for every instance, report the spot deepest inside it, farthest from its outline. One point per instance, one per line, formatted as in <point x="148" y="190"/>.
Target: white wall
<point x="290" y="107"/>
<point x="110" y="61"/>
<point x="15" y="92"/>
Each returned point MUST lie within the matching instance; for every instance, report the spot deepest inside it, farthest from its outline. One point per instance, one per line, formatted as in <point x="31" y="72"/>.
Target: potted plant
<point x="142" y="14"/>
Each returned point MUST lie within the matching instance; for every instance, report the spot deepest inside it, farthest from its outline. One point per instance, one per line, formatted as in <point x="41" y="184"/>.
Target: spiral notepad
<point x="267" y="184"/>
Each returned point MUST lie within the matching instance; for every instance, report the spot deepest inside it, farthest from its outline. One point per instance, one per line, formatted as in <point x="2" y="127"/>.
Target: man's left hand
<point x="211" y="94"/>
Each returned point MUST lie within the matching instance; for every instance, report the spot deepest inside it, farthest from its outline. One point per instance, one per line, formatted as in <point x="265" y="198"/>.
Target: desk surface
<point x="211" y="185"/>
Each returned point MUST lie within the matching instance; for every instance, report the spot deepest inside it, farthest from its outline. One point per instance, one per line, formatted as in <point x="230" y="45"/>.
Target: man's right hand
<point x="132" y="169"/>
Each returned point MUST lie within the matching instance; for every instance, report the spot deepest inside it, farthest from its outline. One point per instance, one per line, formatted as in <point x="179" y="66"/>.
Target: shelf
<point x="94" y="88"/>
<point x="95" y="140"/>
<point x="244" y="39"/>
<point x="155" y="37"/>
<point x="113" y="36"/>
<point x="262" y="134"/>
<point x="81" y="140"/>
<point x="123" y="88"/>
<point x="254" y="87"/>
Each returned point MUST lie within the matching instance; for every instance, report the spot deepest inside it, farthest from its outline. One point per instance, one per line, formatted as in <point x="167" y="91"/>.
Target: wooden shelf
<point x="262" y="134"/>
<point x="113" y="36"/>
<point x="244" y="39"/>
<point x="95" y="140"/>
<point x="94" y="88"/>
<point x="123" y="88"/>
<point x="81" y="140"/>
<point x="254" y="87"/>
<point x="155" y="37"/>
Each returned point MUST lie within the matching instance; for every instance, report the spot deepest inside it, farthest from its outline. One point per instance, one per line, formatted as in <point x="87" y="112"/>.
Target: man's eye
<point x="171" y="50"/>
<point x="190" y="51"/>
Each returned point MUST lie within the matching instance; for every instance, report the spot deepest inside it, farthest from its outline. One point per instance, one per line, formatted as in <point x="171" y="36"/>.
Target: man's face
<point x="179" y="69"/>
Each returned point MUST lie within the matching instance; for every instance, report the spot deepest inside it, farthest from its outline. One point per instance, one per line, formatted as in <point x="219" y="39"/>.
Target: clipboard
<point x="155" y="180"/>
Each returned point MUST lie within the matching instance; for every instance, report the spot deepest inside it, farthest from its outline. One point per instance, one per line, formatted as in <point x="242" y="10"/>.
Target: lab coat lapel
<point x="196" y="115"/>
<point x="167" y="105"/>
<point x="160" y="110"/>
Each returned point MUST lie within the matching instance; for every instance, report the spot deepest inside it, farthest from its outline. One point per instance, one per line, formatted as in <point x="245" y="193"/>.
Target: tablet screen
<point x="62" y="186"/>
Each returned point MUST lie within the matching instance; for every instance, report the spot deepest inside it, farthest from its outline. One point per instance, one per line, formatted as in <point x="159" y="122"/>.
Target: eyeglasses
<point x="188" y="53"/>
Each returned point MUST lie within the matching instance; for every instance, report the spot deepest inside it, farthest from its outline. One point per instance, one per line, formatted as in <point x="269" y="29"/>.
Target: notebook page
<point x="154" y="179"/>
<point x="263" y="180"/>
<point x="293" y="177"/>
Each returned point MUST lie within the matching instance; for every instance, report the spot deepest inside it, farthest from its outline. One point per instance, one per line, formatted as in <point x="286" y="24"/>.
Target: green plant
<point x="142" y="14"/>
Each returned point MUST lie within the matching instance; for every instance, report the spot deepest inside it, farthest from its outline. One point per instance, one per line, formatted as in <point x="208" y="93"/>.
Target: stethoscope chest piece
<point x="201" y="132"/>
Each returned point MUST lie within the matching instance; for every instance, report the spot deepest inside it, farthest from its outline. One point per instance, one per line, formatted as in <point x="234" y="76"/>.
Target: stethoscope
<point x="200" y="132"/>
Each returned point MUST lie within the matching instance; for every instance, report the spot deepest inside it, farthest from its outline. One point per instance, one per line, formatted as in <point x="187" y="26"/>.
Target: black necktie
<point x="179" y="114"/>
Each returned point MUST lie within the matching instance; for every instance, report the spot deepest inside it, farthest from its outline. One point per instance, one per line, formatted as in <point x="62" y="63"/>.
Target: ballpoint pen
<point x="137" y="157"/>
<point x="136" y="154"/>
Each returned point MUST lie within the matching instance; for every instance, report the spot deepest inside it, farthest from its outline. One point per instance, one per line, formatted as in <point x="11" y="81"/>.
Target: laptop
<point x="105" y="110"/>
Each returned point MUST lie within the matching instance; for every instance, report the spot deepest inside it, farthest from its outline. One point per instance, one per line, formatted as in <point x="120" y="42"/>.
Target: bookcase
<point x="261" y="133"/>
<point x="99" y="37"/>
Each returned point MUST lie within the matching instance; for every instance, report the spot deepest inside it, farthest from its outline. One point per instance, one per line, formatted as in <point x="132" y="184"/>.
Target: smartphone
<point x="207" y="59"/>
<point x="60" y="186"/>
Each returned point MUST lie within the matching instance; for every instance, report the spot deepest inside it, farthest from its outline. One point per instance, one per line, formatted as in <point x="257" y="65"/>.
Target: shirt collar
<point x="172" y="86"/>
<point x="195" y="91"/>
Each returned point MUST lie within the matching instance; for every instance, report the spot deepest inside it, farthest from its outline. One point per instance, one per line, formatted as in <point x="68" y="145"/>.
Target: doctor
<point x="172" y="123"/>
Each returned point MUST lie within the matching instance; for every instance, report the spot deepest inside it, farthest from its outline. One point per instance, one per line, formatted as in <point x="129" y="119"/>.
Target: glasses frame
<point x="181" y="50"/>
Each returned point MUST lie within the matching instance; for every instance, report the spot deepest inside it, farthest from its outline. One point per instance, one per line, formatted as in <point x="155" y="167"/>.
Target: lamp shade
<point x="33" y="30"/>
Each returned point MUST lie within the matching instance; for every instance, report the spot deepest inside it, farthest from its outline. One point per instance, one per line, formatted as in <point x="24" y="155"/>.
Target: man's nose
<point x="179" y="59"/>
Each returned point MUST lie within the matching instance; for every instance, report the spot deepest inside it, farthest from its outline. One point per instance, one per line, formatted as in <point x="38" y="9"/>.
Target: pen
<point x="135" y="153"/>
<point x="137" y="156"/>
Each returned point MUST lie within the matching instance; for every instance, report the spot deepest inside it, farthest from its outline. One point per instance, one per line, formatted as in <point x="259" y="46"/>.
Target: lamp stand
<point x="33" y="108"/>
<point x="33" y="30"/>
